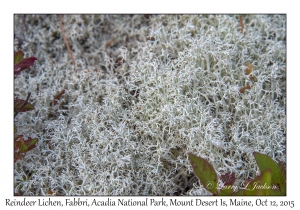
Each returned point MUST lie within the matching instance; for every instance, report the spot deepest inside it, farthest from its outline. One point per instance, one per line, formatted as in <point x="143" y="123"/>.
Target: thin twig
<point x="65" y="39"/>
<point x="109" y="43"/>
<point x="242" y="24"/>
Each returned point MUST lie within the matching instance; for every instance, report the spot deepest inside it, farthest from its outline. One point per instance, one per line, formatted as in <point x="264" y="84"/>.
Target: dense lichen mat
<point x="146" y="91"/>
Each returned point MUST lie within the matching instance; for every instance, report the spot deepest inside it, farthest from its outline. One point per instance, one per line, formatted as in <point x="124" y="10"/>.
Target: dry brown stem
<point x="66" y="41"/>
<point x="241" y="24"/>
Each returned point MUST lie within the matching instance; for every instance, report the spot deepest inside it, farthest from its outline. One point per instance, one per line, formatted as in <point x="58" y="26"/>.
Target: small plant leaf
<point x="261" y="185"/>
<point x="57" y="97"/>
<point x="21" y="146"/>
<point x="265" y="162"/>
<point x="18" y="57"/>
<point x="19" y="103"/>
<point x="205" y="172"/>
<point x="281" y="164"/>
<point x="24" y="64"/>
<point x="18" y="156"/>
<point x="228" y="179"/>
<point x="30" y="144"/>
<point x="227" y="190"/>
<point x="21" y="63"/>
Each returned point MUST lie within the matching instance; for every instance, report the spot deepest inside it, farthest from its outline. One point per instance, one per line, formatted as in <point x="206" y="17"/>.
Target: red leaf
<point x="21" y="63"/>
<point x="21" y="146"/>
<point x="18" y="156"/>
<point x="18" y="104"/>
<point x="24" y="64"/>
<point x="228" y="179"/>
<point x="57" y="97"/>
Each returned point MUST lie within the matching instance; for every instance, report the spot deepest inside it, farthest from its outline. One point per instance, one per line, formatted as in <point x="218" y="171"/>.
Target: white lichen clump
<point x="146" y="92"/>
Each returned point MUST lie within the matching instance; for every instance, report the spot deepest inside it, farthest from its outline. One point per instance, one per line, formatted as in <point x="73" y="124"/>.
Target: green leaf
<point x="26" y="145"/>
<point x="22" y="146"/>
<point x="205" y="172"/>
<point x="30" y="143"/>
<point x="265" y="162"/>
<point x="226" y="191"/>
<point x="261" y="185"/>
<point x="18" y="57"/>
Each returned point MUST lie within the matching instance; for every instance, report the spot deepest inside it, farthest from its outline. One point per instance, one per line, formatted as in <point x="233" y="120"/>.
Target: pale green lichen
<point x="126" y="128"/>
